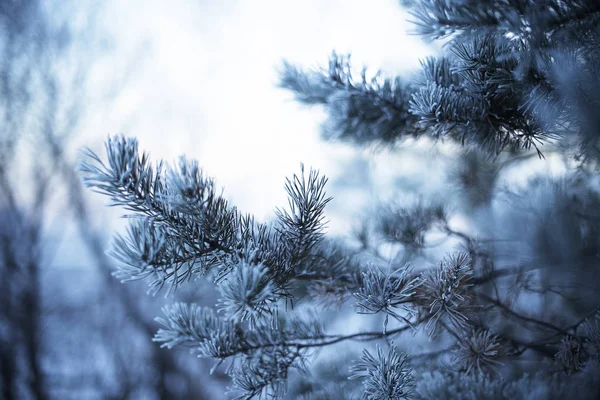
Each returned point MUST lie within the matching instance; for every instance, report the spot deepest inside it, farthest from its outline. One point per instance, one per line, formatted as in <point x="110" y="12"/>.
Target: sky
<point x="203" y="82"/>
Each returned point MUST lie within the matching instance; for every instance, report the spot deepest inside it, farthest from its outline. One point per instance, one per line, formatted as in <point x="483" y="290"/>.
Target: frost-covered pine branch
<point x="385" y="376"/>
<point x="359" y="110"/>
<point x="515" y="80"/>
<point x="181" y="228"/>
<point x="498" y="85"/>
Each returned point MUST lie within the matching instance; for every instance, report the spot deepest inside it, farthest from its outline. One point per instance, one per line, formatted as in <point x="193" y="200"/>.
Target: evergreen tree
<point x="511" y="313"/>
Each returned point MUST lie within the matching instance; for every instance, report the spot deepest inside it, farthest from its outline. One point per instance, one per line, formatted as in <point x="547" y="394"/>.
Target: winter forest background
<point x="204" y="79"/>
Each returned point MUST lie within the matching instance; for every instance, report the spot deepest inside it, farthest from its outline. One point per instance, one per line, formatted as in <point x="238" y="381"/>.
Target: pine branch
<point x="193" y="325"/>
<point x="384" y="376"/>
<point x="359" y="111"/>
<point x="181" y="227"/>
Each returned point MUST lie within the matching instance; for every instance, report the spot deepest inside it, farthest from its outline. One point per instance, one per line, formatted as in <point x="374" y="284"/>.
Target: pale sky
<point x="204" y="83"/>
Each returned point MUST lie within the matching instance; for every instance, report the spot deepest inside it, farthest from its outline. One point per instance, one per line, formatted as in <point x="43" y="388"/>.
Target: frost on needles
<point x="510" y="312"/>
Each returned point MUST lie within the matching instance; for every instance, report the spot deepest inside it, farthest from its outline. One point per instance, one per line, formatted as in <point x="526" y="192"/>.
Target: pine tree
<point x="511" y="313"/>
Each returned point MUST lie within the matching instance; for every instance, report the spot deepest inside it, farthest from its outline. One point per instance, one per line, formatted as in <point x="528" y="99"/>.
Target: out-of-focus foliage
<point x="534" y="386"/>
<point x="66" y="331"/>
